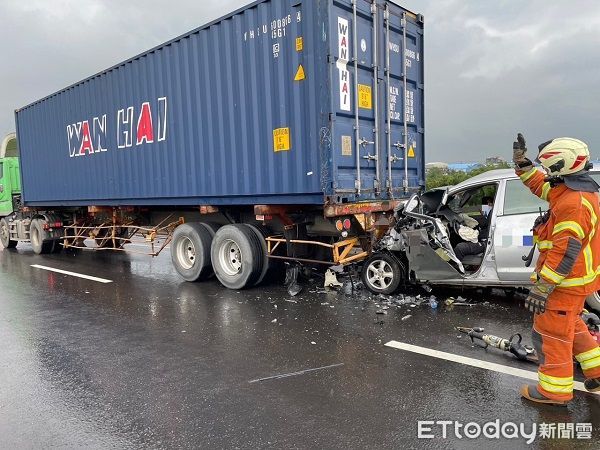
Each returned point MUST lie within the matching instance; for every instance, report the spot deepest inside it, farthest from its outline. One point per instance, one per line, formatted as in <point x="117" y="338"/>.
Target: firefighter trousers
<point x="559" y="334"/>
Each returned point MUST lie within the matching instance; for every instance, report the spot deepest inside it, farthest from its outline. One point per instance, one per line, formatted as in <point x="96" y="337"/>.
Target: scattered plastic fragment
<point x="406" y="317"/>
<point x="433" y="302"/>
<point x="381" y="311"/>
<point x="313" y="343"/>
<point x="274" y="321"/>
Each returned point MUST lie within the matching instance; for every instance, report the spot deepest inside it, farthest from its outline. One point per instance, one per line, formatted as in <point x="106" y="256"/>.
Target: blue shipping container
<point x="281" y="102"/>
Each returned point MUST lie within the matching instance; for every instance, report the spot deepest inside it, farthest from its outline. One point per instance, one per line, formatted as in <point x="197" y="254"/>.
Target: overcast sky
<point x="492" y="67"/>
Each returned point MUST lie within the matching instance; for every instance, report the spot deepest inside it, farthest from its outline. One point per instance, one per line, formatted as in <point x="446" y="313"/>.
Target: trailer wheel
<point x="237" y="256"/>
<point x="211" y="227"/>
<point x="57" y="246"/>
<point x="265" y="251"/>
<point x="5" y="235"/>
<point x="190" y="252"/>
<point x="382" y="274"/>
<point x="593" y="301"/>
<point x="38" y="238"/>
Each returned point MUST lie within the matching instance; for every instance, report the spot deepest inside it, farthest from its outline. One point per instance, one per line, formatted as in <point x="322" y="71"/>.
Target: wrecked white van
<point x="420" y="248"/>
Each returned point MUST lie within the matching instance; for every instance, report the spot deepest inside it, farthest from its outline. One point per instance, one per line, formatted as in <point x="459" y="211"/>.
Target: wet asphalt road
<point x="151" y="362"/>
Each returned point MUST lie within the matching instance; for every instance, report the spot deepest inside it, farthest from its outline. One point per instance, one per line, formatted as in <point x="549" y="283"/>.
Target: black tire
<point x="39" y="238"/>
<point x="5" y="235"/>
<point x="260" y="234"/>
<point x="190" y="252"/>
<point x="382" y="274"/>
<point x="57" y="246"/>
<point x="211" y="227"/>
<point x="237" y="256"/>
<point x="593" y="302"/>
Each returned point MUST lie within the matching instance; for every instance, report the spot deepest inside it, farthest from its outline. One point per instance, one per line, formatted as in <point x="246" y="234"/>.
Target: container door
<point x="404" y="97"/>
<point x="356" y="102"/>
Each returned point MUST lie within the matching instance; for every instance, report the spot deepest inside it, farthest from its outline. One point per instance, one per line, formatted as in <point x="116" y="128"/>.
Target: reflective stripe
<point x="534" y="277"/>
<point x="527" y="175"/>
<point x="593" y="215"/>
<point x="545" y="245"/>
<point x="590" y="276"/>
<point x="589" y="206"/>
<point x="581" y="281"/>
<point x="590" y="359"/>
<point x="545" y="191"/>
<point x="555" y="384"/>
<point x="590" y="363"/>
<point x="569" y="225"/>
<point x="547" y="272"/>
<point x="587" y="256"/>
<point x="590" y="354"/>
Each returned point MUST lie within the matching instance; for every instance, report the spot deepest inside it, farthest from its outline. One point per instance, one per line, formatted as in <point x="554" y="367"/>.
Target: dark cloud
<point x="492" y="68"/>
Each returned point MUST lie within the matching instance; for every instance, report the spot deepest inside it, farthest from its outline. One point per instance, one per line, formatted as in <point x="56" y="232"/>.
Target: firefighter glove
<point x="519" y="158"/>
<point x="536" y="300"/>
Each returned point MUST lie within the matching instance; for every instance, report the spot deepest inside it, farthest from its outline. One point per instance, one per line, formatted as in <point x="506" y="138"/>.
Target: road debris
<point x="406" y="317"/>
<point x="451" y="301"/>
<point x="331" y="280"/>
<point x="433" y="302"/>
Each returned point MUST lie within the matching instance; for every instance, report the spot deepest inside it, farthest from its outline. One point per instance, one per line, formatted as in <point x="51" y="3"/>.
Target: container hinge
<point x="357" y="185"/>
<point x="373" y="7"/>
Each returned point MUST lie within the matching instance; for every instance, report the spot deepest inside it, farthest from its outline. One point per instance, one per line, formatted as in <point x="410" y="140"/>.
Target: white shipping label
<point x="343" y="58"/>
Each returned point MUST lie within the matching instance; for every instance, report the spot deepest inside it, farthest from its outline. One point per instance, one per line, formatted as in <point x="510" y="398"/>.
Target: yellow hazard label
<point x="300" y="74"/>
<point x="281" y="140"/>
<point x="365" y="96"/>
<point x="299" y="44"/>
<point x="411" y="152"/>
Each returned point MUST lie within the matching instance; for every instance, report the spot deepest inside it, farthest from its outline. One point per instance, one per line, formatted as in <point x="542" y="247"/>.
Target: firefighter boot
<point x="592" y="384"/>
<point x="531" y="393"/>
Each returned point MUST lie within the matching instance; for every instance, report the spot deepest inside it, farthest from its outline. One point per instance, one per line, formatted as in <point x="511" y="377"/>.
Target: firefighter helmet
<point x="564" y="156"/>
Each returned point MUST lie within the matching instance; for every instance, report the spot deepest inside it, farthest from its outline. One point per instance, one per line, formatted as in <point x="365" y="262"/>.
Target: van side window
<point x="1" y="170"/>
<point x="519" y="199"/>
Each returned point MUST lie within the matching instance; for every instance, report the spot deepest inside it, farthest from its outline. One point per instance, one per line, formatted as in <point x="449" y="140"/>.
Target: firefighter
<point x="568" y="268"/>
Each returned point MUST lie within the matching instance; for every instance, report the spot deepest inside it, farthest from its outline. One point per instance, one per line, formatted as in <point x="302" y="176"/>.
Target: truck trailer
<point x="286" y="130"/>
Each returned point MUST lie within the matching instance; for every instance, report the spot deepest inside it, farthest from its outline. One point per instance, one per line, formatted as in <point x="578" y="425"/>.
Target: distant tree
<point x="437" y="177"/>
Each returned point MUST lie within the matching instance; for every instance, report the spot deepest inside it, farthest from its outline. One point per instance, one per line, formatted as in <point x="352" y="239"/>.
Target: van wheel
<point x="381" y="274"/>
<point x="5" y="235"/>
<point x="190" y="252"/>
<point x="237" y="256"/>
<point x="38" y="238"/>
<point x="593" y="301"/>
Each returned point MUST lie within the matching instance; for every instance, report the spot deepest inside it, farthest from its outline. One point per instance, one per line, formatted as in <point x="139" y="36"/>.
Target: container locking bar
<point x="376" y="95"/>
<point x="389" y="183"/>
<point x="405" y="82"/>
<point x="357" y="182"/>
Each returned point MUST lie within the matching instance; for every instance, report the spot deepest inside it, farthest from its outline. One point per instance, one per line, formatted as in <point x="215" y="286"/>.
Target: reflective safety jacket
<point x="569" y="241"/>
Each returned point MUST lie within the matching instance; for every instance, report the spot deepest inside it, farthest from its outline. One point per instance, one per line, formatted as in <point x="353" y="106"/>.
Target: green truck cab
<point x="10" y="186"/>
<point x="10" y="177"/>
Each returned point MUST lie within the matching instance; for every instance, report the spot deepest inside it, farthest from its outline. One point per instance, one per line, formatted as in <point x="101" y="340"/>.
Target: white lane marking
<point x="295" y="374"/>
<point x="73" y="274"/>
<point x="474" y="363"/>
